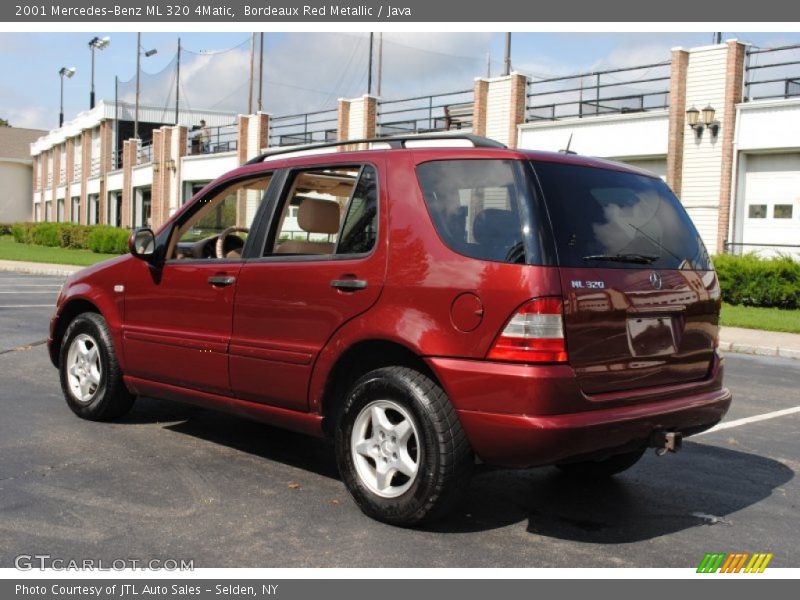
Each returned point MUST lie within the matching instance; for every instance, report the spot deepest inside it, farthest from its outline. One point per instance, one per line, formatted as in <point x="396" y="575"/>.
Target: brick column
<point x="86" y="168"/>
<point x="35" y="182"/>
<point x="106" y="130"/>
<point x="519" y="91"/>
<point x="242" y="122"/>
<point x="343" y="120"/>
<point x="56" y="180"/>
<point x="179" y="137"/>
<point x="479" y="106"/>
<point x="734" y="79"/>
<point x="70" y="174"/>
<point x="42" y="182"/>
<point x="129" y="152"/>
<point x="677" y="118"/>
<point x="157" y="185"/>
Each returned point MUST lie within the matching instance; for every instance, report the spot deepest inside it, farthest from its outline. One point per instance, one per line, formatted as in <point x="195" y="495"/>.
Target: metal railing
<point x="223" y="138"/>
<point x="772" y="73"/>
<point x="77" y="171"/>
<point x="425" y="114"/>
<point x="304" y="128"/>
<point x="94" y="167"/>
<point x="116" y="160"/>
<point x="614" y="91"/>
<point x="739" y="248"/>
<point x="144" y="155"/>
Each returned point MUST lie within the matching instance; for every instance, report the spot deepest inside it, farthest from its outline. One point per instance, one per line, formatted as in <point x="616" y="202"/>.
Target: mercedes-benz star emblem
<point x="655" y="280"/>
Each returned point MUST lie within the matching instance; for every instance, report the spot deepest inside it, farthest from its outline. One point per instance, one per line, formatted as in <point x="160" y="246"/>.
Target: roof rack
<point x="394" y="142"/>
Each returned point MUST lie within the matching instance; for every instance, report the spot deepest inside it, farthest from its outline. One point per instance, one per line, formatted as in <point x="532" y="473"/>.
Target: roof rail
<point x="395" y="143"/>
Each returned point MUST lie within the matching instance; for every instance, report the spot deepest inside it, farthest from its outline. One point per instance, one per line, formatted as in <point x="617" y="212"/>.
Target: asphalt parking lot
<point x="171" y="481"/>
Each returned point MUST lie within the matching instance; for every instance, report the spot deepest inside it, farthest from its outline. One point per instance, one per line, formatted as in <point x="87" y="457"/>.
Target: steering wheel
<point x="224" y="235"/>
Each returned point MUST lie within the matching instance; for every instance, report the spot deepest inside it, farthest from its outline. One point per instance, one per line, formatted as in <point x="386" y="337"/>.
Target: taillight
<point x="534" y="334"/>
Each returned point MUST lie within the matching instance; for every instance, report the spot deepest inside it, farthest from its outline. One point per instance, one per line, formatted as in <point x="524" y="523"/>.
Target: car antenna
<point x="567" y="150"/>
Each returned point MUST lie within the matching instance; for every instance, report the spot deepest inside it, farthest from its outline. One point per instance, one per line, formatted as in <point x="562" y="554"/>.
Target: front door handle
<point x="349" y="285"/>
<point x="221" y="280"/>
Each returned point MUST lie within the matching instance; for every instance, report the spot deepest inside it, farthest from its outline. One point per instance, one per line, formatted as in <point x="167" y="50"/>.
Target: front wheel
<point x="400" y="448"/>
<point x="90" y="375"/>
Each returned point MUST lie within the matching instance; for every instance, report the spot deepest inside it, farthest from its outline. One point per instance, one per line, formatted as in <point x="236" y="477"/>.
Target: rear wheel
<point x="600" y="469"/>
<point x="400" y="448"/>
<point x="90" y="376"/>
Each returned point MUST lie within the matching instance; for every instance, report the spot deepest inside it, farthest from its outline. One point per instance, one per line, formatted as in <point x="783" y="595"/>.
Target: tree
<point x="4" y="123"/>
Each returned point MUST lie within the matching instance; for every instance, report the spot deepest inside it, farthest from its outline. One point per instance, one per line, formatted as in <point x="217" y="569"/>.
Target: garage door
<point x="657" y="166"/>
<point x="772" y="201"/>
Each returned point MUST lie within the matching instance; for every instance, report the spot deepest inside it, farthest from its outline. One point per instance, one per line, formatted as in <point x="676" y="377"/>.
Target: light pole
<point x="64" y="72"/>
<point x="139" y="53"/>
<point x="96" y="43"/>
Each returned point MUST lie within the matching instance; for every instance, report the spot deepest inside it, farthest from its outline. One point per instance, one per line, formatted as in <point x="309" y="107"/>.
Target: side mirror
<point x="142" y="244"/>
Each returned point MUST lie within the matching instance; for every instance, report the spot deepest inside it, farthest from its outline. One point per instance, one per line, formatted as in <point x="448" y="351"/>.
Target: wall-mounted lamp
<point x="170" y="164"/>
<point x="693" y="119"/>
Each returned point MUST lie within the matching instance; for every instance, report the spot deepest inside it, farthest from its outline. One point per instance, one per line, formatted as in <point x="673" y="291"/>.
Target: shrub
<point x="108" y="240"/>
<point x="74" y="235"/>
<point x="754" y="281"/>
<point x="5" y="228"/>
<point x="46" y="234"/>
<point x="22" y="232"/>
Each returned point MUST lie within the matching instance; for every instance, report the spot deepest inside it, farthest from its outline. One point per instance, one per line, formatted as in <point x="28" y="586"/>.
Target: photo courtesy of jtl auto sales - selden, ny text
<point x="435" y="299"/>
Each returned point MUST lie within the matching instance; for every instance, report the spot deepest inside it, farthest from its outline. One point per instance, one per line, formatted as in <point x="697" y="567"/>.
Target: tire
<point x="604" y="468"/>
<point x="90" y="375"/>
<point x="399" y="418"/>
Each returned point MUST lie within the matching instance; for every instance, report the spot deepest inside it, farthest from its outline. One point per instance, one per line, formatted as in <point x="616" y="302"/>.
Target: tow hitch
<point x="665" y="441"/>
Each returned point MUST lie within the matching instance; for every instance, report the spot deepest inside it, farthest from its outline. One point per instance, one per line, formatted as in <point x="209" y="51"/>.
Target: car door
<point x="322" y="265"/>
<point x="178" y="317"/>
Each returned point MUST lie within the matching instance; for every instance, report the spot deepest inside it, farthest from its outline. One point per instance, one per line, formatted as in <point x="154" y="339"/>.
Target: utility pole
<point x="507" y="61"/>
<point x="718" y="37"/>
<point x="369" y="73"/>
<point x="261" y="73"/>
<point x="380" y="62"/>
<point x="136" y="109"/>
<point x="178" y="85"/>
<point x="252" y="67"/>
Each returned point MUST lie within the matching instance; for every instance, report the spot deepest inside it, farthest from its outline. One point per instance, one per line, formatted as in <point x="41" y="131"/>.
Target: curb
<point x="43" y="270"/>
<point x="760" y="350"/>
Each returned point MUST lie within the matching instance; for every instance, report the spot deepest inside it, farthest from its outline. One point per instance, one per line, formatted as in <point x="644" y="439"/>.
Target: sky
<point x="304" y="71"/>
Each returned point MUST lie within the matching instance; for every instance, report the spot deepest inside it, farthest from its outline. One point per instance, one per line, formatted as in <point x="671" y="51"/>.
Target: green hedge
<point x="108" y="240"/>
<point x="753" y="281"/>
<point x="97" y="238"/>
<point x="5" y="228"/>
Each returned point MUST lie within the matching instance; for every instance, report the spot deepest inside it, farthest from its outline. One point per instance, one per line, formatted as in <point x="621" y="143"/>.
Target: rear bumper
<point x="535" y="436"/>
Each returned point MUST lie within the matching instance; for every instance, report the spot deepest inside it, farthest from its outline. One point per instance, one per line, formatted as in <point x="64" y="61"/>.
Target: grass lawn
<point x="752" y="317"/>
<point x="11" y="250"/>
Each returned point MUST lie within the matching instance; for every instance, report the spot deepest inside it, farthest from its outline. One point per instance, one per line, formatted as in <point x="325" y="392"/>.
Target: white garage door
<point x="658" y="166"/>
<point x="772" y="201"/>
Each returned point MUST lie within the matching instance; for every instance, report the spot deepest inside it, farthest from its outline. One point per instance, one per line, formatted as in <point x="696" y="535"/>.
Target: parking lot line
<point x="754" y="419"/>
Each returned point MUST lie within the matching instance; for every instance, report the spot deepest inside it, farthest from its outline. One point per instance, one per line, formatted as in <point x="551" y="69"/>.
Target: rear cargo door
<point x="641" y="298"/>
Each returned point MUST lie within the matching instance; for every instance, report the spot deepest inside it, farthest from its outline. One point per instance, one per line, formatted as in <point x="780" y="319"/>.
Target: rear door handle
<point x="221" y="280"/>
<point x="349" y="285"/>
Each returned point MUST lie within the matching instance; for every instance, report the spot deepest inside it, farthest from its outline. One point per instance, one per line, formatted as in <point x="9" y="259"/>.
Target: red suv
<point x="421" y="302"/>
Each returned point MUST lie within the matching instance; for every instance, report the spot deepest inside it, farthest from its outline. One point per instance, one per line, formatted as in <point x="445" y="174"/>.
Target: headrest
<point x="318" y="216"/>
<point x="493" y="225"/>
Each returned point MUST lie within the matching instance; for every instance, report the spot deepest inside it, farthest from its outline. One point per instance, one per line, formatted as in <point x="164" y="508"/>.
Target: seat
<point x="314" y="216"/>
<point x="496" y="230"/>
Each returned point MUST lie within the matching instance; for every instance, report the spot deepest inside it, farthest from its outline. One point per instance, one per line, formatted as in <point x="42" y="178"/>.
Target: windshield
<point x="618" y="220"/>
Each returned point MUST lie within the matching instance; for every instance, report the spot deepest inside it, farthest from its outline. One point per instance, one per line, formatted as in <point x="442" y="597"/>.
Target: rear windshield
<point x="475" y="206"/>
<point x="605" y="218"/>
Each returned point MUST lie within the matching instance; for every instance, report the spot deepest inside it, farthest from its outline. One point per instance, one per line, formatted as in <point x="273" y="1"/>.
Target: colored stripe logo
<point x="737" y="562"/>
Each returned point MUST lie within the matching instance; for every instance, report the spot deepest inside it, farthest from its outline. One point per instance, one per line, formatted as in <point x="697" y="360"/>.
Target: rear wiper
<point x="644" y="259"/>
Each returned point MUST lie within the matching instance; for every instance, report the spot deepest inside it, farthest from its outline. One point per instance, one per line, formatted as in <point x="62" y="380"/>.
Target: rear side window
<point x="475" y="206"/>
<point x="604" y="218"/>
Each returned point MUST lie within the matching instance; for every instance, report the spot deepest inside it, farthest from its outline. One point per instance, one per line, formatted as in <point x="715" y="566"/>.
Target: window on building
<point x="782" y="211"/>
<point x="60" y="210"/>
<point x="92" y="217"/>
<point x="75" y="210"/>
<point x="757" y="211"/>
<point x="48" y="215"/>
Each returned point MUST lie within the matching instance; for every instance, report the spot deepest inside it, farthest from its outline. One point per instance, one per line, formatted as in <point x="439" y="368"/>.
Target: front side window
<point x="327" y="211"/>
<point x="475" y="206"/>
<point x="220" y="222"/>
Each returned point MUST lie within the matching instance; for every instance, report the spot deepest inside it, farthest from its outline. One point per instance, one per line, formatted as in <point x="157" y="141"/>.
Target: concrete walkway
<point x="732" y="339"/>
